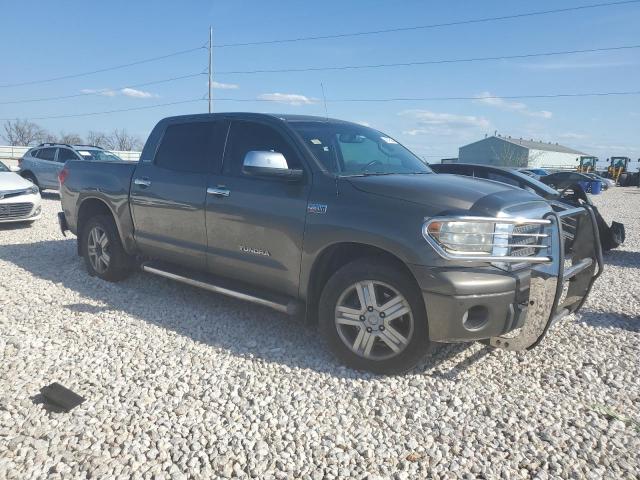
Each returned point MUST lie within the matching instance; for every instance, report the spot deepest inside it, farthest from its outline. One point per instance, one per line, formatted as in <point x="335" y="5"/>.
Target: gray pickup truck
<point x="338" y="224"/>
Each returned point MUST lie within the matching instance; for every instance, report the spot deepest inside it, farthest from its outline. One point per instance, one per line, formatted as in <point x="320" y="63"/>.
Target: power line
<point x="112" y="111"/>
<point x="427" y="62"/>
<point x="429" y="26"/>
<point x="435" y="99"/>
<point x="486" y="97"/>
<point x="106" y="69"/>
<point x="344" y="100"/>
<point x="100" y="92"/>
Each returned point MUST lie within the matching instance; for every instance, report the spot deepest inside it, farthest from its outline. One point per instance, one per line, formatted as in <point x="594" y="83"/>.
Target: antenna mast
<point x="324" y="98"/>
<point x="210" y="64"/>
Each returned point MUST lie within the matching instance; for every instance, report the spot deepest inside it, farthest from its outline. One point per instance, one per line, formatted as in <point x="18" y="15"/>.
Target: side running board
<point x="208" y="282"/>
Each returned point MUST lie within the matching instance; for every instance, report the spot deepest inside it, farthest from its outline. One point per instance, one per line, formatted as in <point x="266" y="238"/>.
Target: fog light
<point x="475" y="318"/>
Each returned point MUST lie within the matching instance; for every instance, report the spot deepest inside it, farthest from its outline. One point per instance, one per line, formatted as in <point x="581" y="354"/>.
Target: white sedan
<point x="19" y="198"/>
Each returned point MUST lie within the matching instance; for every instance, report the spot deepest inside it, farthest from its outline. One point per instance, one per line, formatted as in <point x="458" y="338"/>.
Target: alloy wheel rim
<point x="374" y="320"/>
<point x="98" y="249"/>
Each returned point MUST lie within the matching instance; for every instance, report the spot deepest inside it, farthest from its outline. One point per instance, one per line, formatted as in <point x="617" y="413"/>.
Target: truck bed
<point x="105" y="182"/>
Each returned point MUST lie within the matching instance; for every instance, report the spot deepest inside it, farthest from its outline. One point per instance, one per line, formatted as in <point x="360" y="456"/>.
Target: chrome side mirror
<point x="268" y="164"/>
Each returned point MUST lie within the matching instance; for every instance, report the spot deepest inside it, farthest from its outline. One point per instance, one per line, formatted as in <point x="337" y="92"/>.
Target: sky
<point x="40" y="40"/>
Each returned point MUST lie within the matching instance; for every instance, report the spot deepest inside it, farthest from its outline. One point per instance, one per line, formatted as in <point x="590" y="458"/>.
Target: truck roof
<point x="253" y="115"/>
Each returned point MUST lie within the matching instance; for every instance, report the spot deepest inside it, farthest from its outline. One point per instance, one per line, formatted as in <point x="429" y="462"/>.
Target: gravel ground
<point x="182" y="383"/>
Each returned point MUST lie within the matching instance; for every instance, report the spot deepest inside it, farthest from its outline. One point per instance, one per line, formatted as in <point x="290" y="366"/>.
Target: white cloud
<point x="132" y="92"/>
<point x="127" y="92"/>
<point x="486" y="98"/>
<point x="224" y="86"/>
<point x="436" y="123"/>
<point x="288" y="98"/>
<point x="104" y="92"/>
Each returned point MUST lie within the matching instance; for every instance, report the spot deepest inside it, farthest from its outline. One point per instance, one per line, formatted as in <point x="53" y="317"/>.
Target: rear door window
<point x="47" y="154"/>
<point x="194" y="147"/>
<point x="65" y="154"/>
<point x="33" y="153"/>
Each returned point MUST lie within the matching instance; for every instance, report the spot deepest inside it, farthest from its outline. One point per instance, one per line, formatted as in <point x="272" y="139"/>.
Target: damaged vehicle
<point x="339" y="224"/>
<point x="572" y="194"/>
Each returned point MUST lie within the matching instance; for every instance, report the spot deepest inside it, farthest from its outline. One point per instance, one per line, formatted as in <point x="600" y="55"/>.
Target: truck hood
<point x="10" y="181"/>
<point x="444" y="193"/>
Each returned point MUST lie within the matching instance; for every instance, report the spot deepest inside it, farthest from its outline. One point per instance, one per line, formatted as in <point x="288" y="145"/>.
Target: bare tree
<point x="123" y="141"/>
<point x="23" y="132"/>
<point x="99" y="139"/>
<point x="70" y="138"/>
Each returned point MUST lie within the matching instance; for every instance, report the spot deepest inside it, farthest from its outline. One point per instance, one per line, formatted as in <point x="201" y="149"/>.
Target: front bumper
<point x="514" y="310"/>
<point x="21" y="208"/>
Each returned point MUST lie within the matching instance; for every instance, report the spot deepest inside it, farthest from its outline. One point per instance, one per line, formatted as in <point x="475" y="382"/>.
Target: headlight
<point x="462" y="237"/>
<point x="33" y="189"/>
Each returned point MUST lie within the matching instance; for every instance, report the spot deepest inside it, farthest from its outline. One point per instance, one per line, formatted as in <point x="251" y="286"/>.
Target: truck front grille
<point x="524" y="239"/>
<point x="10" y="211"/>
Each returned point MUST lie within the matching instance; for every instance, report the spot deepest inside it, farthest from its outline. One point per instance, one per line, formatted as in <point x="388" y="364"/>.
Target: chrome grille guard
<point x="546" y="303"/>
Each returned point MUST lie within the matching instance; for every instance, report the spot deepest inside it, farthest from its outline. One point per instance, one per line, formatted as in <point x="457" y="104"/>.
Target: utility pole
<point x="210" y="64"/>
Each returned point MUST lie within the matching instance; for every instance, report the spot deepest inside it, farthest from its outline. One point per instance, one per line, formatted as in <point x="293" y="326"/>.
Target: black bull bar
<point x="561" y="286"/>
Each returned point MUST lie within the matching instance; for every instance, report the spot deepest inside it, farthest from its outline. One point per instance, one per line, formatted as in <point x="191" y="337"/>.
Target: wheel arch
<point x="24" y="173"/>
<point x="332" y="258"/>
<point x="90" y="207"/>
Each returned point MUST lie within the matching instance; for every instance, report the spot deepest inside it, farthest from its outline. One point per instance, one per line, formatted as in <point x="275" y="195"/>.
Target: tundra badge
<point x="319" y="208"/>
<point x="255" y="251"/>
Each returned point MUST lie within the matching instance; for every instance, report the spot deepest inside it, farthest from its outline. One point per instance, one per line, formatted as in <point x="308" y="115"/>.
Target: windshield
<point x="347" y="149"/>
<point x="532" y="184"/>
<point x="4" y="168"/>
<point x="100" y="155"/>
<point x="618" y="162"/>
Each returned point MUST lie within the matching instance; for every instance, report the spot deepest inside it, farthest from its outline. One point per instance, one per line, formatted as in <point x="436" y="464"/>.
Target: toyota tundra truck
<point x="338" y="224"/>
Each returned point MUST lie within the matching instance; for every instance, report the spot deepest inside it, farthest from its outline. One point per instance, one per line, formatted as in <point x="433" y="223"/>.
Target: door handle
<point x="219" y="191"/>
<point x="143" y="182"/>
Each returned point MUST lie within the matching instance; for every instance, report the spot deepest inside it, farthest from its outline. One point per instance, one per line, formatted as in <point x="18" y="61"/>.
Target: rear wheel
<point x="373" y="317"/>
<point x="632" y="180"/>
<point x="102" y="250"/>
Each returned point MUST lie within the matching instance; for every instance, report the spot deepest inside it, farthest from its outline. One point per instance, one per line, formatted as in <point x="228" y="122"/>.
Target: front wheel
<point x="32" y="178"/>
<point x="102" y="250"/>
<point x="622" y="180"/>
<point x="373" y="317"/>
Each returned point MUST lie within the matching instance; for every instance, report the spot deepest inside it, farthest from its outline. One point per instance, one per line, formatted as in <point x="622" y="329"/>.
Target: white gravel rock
<point x="181" y="383"/>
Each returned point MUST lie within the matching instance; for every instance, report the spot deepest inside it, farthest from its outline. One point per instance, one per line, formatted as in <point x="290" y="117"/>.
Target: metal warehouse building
<point x="513" y="152"/>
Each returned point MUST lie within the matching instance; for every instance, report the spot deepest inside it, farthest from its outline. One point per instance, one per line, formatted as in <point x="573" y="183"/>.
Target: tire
<point x="32" y="178"/>
<point x="622" y="180"/>
<point x="349" y="338"/>
<point x="117" y="264"/>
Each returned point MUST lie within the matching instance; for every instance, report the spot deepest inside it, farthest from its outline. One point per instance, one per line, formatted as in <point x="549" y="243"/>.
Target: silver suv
<point x="42" y="164"/>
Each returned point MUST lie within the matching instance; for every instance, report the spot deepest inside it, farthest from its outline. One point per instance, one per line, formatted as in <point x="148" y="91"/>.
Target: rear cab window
<point x="192" y="147"/>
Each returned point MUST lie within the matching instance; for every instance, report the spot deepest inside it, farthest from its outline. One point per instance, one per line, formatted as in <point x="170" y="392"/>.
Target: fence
<point x="9" y="152"/>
